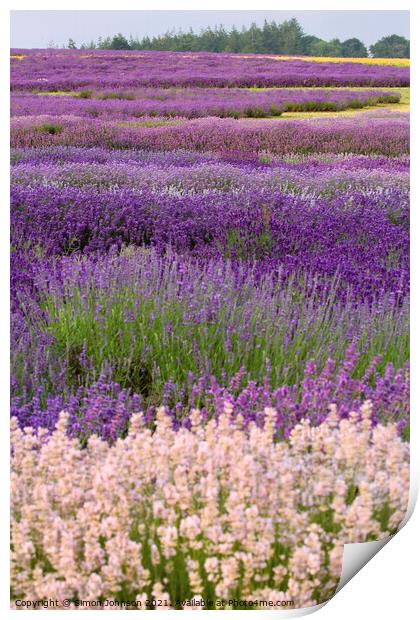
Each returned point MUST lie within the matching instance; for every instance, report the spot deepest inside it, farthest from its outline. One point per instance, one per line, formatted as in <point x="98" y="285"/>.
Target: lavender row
<point x="312" y="177"/>
<point x="361" y="237"/>
<point x="163" y="326"/>
<point x="68" y="70"/>
<point x="196" y="103"/>
<point x="371" y="133"/>
<point x="105" y="409"/>
<point x="313" y="164"/>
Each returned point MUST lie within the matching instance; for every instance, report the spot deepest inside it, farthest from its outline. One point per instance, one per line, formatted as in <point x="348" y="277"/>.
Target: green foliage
<point x="326" y="48"/>
<point x="85" y="94"/>
<point x="117" y="95"/>
<point x="393" y="46"/>
<point x="149" y="341"/>
<point x="308" y="41"/>
<point x="353" y="48"/>
<point x="50" y="128"/>
<point x="119" y="42"/>
<point x="286" y="38"/>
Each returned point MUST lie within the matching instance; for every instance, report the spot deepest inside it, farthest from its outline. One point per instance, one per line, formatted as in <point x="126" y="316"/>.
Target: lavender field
<point x="210" y="324"/>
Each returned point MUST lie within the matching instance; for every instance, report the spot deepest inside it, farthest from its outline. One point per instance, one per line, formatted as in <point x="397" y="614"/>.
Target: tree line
<point x="286" y="38"/>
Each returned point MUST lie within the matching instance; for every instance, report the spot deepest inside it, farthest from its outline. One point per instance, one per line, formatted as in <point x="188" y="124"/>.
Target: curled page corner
<point x="357" y="555"/>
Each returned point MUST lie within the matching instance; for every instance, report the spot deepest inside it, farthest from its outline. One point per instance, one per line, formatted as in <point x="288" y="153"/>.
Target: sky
<point x="39" y="28"/>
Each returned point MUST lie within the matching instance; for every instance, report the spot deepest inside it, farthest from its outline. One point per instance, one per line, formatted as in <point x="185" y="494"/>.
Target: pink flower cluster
<point x="237" y="514"/>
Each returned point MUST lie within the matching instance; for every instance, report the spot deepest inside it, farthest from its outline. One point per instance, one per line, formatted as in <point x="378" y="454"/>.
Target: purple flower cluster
<point x="361" y="236"/>
<point x="104" y="408"/>
<point x="187" y="173"/>
<point x="162" y="160"/>
<point x="196" y="102"/>
<point x="162" y="255"/>
<point x="174" y="318"/>
<point x="50" y="70"/>
<point x="373" y="134"/>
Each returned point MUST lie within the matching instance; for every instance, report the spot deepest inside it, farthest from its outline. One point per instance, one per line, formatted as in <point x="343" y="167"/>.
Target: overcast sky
<point x="39" y="28"/>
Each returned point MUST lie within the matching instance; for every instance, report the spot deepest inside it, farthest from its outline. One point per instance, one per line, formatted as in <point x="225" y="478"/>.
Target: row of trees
<point x="271" y="38"/>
